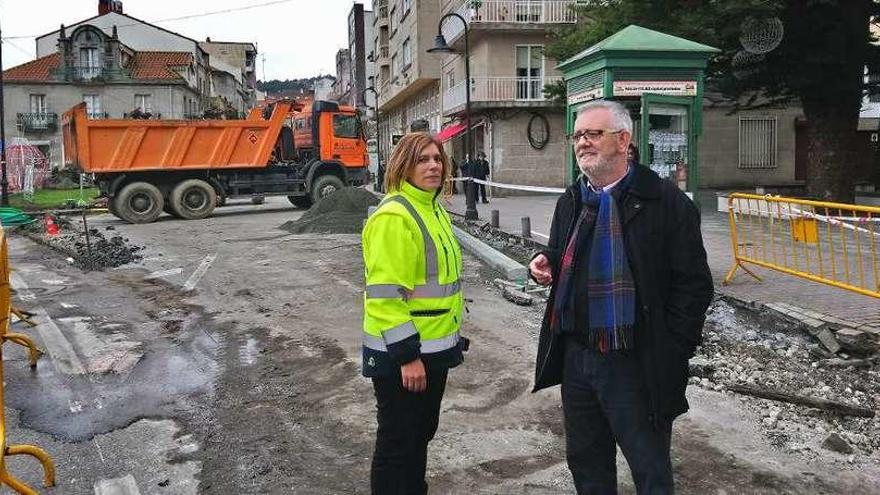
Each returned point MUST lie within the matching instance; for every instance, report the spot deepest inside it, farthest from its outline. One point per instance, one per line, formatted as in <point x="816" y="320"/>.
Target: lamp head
<point x="440" y="45"/>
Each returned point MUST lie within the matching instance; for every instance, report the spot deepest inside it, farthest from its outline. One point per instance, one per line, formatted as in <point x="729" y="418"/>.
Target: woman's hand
<point x="413" y="376"/>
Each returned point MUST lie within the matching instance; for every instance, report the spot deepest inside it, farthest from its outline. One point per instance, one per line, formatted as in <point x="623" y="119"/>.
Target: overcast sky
<point x="299" y="38"/>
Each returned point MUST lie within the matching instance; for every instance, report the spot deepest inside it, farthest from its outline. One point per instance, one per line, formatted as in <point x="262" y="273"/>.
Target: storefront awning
<point x="450" y="132"/>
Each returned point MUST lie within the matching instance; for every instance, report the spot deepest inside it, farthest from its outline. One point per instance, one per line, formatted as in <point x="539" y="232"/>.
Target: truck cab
<point x="329" y="132"/>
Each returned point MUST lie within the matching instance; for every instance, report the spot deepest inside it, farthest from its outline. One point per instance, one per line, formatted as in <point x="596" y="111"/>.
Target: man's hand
<point x="413" y="376"/>
<point x="540" y="270"/>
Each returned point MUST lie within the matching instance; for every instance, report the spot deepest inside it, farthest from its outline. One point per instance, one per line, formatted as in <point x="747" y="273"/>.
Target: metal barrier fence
<point x="831" y="243"/>
<point x="9" y="450"/>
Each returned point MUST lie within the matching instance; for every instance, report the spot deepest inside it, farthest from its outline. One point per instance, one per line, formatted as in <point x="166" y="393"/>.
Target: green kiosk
<point x="659" y="78"/>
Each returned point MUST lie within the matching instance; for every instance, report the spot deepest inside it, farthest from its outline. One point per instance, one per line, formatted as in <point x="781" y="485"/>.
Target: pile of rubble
<point x="814" y="400"/>
<point x="514" y="246"/>
<point x="93" y="252"/>
<point x="342" y="212"/>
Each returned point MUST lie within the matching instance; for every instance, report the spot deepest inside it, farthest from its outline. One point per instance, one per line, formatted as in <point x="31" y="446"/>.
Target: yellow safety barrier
<point x="9" y="450"/>
<point x="831" y="243"/>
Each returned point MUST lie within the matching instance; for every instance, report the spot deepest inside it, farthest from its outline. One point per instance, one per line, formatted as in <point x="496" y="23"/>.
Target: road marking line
<point x="63" y="356"/>
<point x="98" y="447"/>
<point x="199" y="273"/>
<point x="164" y="273"/>
<point x="68" y="305"/>
<point x="117" y="486"/>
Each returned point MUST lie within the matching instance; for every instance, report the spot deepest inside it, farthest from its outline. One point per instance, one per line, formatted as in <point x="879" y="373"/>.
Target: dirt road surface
<point x="228" y="362"/>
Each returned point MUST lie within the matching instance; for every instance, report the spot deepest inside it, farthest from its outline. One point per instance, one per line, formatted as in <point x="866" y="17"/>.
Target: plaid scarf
<point x="611" y="295"/>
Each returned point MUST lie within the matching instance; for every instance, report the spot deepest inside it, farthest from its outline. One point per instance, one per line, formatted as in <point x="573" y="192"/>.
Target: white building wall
<point x="116" y="100"/>
<point x="133" y="33"/>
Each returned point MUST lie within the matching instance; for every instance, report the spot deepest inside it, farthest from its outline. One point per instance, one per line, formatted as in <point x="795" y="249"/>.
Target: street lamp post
<point x="380" y="170"/>
<point x="440" y="46"/>
<point x="4" y="180"/>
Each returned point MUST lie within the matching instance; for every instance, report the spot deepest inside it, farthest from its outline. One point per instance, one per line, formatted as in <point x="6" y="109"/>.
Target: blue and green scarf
<point x="611" y="293"/>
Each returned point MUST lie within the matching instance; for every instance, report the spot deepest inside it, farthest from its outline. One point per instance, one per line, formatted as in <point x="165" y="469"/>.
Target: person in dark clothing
<point x="632" y="154"/>
<point x="631" y="287"/>
<point x="481" y="171"/>
<point x="454" y="174"/>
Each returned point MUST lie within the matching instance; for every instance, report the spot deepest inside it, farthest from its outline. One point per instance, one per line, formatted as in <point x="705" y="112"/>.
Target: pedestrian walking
<point x="481" y="171"/>
<point x="412" y="312"/>
<point x="631" y="286"/>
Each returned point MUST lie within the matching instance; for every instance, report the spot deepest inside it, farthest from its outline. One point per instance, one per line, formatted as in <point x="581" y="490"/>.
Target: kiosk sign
<point x="670" y="88"/>
<point x="588" y="95"/>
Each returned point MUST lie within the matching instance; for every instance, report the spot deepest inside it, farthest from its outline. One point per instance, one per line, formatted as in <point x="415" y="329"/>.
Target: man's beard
<point x="603" y="166"/>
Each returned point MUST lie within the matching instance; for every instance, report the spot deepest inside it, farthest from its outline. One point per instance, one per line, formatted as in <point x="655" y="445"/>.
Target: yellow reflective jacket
<point x="412" y="301"/>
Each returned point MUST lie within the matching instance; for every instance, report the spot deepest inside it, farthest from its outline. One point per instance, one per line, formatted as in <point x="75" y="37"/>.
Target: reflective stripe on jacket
<point x="412" y="301"/>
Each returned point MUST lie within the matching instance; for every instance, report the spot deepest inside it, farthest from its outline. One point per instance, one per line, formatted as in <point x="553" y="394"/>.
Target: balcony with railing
<point x="510" y="15"/>
<point x="384" y="54"/>
<point x="37" y="122"/>
<point x="381" y="9"/>
<point x="500" y="91"/>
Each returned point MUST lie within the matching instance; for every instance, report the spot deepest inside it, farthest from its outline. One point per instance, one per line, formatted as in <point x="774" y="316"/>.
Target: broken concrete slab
<point x="837" y="443"/>
<point x="518" y="297"/>
<point x="857" y="341"/>
<point x="826" y="338"/>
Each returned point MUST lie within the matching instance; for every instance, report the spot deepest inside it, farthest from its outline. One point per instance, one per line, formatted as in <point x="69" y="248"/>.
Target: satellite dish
<point x="760" y="36"/>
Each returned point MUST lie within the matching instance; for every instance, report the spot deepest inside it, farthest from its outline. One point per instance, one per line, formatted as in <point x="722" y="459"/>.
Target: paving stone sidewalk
<point x="801" y="299"/>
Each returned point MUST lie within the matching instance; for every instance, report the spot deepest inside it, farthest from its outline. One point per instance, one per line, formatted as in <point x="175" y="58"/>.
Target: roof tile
<point x="157" y="65"/>
<point x="35" y="70"/>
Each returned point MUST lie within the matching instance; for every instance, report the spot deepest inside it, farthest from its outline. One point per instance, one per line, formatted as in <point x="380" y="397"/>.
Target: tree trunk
<point x="831" y="155"/>
<point x="830" y="84"/>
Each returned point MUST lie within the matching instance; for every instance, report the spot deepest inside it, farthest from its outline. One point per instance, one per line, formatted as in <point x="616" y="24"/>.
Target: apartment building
<point x="233" y="74"/>
<point x="361" y="50"/>
<point x="408" y="78"/>
<point x="342" y="86"/>
<point x="521" y="131"/>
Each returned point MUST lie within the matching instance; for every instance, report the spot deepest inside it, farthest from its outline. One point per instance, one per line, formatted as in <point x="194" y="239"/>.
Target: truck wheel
<point x="300" y="201"/>
<point x="324" y="186"/>
<point x="111" y="206"/>
<point x="193" y="199"/>
<point x="139" y="202"/>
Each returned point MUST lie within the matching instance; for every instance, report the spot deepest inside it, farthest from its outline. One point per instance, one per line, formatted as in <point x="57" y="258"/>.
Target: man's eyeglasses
<point x="591" y="135"/>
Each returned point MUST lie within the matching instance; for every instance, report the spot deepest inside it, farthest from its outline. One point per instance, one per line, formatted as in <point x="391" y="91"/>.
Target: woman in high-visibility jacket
<point x="412" y="311"/>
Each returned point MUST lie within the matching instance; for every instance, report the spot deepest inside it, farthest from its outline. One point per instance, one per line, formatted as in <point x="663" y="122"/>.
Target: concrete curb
<point x="491" y="256"/>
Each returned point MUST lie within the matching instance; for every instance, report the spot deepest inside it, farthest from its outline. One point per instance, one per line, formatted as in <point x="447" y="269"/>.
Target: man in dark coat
<point x="631" y="286"/>
<point x="481" y="171"/>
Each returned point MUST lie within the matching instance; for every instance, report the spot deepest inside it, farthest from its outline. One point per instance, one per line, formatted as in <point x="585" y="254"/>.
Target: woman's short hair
<point x="405" y="157"/>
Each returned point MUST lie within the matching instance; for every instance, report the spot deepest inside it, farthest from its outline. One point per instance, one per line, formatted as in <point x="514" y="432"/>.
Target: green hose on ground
<point x="11" y="217"/>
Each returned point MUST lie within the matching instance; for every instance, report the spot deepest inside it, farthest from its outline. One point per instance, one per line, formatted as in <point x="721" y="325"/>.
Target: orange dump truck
<point x="186" y="168"/>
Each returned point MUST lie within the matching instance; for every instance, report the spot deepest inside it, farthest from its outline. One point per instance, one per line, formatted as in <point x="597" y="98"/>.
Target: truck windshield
<point x="346" y="126"/>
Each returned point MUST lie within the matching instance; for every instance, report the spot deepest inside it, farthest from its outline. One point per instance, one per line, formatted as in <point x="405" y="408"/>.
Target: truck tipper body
<point x="186" y="168"/>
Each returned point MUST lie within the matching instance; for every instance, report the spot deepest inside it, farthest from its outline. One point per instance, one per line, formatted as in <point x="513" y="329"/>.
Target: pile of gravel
<point x="342" y="212"/>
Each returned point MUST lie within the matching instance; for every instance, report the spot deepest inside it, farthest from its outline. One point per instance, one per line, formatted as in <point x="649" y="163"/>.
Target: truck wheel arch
<point x="318" y="168"/>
